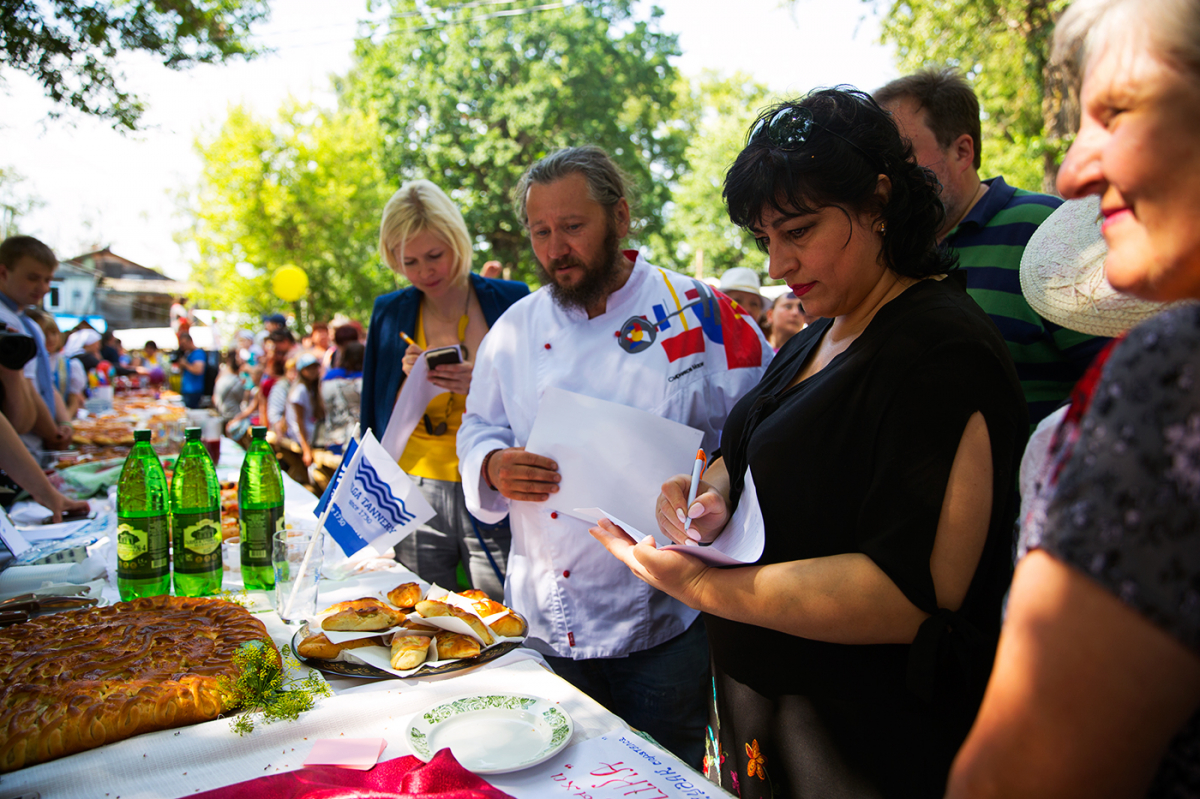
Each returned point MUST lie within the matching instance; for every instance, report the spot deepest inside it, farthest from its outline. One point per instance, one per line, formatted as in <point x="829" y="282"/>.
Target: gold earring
<point x="882" y="228"/>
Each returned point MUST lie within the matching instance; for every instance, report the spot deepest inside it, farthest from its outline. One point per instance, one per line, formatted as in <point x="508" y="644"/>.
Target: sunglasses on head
<point x="789" y="129"/>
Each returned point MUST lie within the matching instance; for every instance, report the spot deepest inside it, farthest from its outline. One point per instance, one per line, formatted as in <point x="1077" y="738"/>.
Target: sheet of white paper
<point x="740" y="542"/>
<point x="609" y="455"/>
<point x="54" y="532"/>
<point x="12" y="537"/>
<point x="381" y="658"/>
<point x="342" y="636"/>
<point x="415" y="395"/>
<point x="448" y="623"/>
<point x="28" y="512"/>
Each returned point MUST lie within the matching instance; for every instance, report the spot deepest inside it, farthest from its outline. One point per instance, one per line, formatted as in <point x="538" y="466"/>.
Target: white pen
<point x="697" y="470"/>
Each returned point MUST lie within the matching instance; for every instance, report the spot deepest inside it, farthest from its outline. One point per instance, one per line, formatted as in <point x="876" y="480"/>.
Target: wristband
<point x="486" y="460"/>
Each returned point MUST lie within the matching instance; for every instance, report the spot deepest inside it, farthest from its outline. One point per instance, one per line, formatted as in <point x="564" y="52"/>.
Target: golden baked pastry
<point x="409" y="624"/>
<point x="320" y="647"/>
<point x="431" y="607"/>
<point x="405" y="595"/>
<point x="103" y="431"/>
<point x="84" y="678"/>
<point x="510" y="626"/>
<point x="474" y="593"/>
<point x="410" y="651"/>
<point x="361" y="615"/>
<point x="456" y="645"/>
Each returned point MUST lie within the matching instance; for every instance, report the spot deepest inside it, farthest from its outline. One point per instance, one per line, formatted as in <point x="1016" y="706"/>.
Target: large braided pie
<point x="81" y="679"/>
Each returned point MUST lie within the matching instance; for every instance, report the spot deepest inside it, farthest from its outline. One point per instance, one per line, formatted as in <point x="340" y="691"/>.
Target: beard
<point x="597" y="278"/>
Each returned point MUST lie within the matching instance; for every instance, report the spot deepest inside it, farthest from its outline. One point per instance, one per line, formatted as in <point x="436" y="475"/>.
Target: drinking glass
<point x="295" y="580"/>
<point x="211" y="436"/>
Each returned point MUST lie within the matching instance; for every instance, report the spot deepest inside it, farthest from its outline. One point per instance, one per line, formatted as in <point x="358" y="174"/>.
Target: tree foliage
<point x="14" y="203"/>
<point x="1002" y="46"/>
<point x="303" y="189"/>
<point x="72" y="48"/>
<point x="470" y="101"/>
<point x="721" y="112"/>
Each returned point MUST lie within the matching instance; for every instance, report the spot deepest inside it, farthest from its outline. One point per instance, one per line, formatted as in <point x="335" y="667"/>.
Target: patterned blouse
<point x="1123" y="504"/>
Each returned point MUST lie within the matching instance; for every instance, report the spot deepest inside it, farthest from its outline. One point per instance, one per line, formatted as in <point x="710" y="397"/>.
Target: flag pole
<point x="312" y="543"/>
<point x="308" y="552"/>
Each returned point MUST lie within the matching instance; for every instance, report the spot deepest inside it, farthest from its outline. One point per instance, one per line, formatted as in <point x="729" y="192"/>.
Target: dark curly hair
<point x="852" y="142"/>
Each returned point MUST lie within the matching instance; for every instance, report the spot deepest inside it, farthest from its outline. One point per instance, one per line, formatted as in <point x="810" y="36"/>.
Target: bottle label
<point x="198" y="542"/>
<point x="258" y="528"/>
<point x="142" y="548"/>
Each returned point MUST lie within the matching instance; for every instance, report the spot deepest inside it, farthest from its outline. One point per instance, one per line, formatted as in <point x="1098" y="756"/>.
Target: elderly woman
<point x="1096" y="686"/>
<point x="423" y="237"/>
<point x="880" y="449"/>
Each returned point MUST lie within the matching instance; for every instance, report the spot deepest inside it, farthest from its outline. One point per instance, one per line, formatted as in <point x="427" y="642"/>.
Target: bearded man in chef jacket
<point x="636" y="650"/>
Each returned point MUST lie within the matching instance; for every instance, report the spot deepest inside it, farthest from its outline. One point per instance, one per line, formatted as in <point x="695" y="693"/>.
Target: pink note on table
<point x="356" y="753"/>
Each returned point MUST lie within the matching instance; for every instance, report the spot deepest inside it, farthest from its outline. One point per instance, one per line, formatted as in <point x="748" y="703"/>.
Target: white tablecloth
<point x="177" y="763"/>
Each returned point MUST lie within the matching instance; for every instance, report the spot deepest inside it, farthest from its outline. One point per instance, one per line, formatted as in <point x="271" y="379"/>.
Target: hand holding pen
<point x="411" y="354"/>
<point x="694" y="511"/>
<point x="697" y="470"/>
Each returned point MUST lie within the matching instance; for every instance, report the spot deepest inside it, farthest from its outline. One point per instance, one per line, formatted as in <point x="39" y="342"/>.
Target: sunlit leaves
<point x="305" y="188"/>
<point x="71" y="48"/>
<point x="469" y="103"/>
<point x="1002" y="46"/>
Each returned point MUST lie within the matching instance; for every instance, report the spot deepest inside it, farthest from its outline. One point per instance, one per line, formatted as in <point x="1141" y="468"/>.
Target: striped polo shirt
<point x="989" y="242"/>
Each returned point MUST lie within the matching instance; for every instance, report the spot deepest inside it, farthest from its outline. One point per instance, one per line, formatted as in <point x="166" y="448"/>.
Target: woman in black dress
<point x="850" y="659"/>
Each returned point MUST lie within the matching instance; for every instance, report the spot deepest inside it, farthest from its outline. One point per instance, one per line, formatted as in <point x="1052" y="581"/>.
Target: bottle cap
<point x="191" y="434"/>
<point x="258" y="432"/>
<point x="141" y="435"/>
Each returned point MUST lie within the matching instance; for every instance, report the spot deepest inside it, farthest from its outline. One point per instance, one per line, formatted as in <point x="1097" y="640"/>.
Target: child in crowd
<point x="67" y="374"/>
<point x="277" y="400"/>
<point x="305" y="408"/>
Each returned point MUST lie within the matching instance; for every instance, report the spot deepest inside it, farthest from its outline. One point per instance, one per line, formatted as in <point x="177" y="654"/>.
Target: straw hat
<point x="1062" y="274"/>
<point x="740" y="278"/>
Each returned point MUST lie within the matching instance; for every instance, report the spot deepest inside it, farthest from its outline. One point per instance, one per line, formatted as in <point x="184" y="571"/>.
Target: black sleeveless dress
<point x="855" y="459"/>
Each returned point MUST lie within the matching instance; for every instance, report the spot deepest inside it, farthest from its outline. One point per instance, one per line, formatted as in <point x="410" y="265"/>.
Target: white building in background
<point x="103" y="284"/>
<point x="72" y="291"/>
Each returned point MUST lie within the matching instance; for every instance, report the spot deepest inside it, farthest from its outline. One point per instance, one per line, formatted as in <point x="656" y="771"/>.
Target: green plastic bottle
<point x="143" y="530"/>
<point x="260" y="510"/>
<point x="195" y="520"/>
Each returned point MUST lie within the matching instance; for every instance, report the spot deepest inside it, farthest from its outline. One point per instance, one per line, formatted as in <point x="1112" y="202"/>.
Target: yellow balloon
<point x="289" y="283"/>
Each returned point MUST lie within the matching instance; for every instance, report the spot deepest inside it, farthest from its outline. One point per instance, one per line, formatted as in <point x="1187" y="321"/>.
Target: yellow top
<point x="431" y="456"/>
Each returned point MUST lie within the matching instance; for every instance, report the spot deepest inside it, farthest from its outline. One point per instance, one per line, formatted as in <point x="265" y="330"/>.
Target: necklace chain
<point x="463" y="321"/>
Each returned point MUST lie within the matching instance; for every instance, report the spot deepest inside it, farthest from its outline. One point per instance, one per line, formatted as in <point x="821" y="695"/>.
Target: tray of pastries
<point x="103" y="431"/>
<point x="409" y="633"/>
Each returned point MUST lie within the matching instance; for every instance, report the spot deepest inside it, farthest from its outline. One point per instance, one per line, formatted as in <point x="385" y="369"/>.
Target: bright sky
<point x="106" y="188"/>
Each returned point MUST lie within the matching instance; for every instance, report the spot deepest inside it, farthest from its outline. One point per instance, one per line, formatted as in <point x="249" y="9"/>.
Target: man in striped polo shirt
<point x="988" y="223"/>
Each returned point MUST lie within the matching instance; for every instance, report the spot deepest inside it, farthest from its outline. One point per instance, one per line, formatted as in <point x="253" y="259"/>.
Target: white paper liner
<point x="381" y="656"/>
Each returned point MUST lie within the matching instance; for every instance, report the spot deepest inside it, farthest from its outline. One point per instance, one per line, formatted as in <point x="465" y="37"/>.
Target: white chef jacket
<point x="582" y="602"/>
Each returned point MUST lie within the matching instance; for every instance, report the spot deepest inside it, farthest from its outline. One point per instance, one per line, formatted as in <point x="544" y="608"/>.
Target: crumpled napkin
<point x="403" y="778"/>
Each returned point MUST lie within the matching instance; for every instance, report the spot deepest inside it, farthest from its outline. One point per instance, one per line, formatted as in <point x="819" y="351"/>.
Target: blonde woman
<point x="423" y="237"/>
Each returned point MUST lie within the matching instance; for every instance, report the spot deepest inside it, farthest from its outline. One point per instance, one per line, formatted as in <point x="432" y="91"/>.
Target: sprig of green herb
<point x="262" y="691"/>
<point x="240" y="598"/>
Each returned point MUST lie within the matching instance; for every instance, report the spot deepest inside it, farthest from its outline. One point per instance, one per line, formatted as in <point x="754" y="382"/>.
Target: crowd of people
<point x="306" y="390"/>
<point x="878" y="431"/>
<point x="876" y="417"/>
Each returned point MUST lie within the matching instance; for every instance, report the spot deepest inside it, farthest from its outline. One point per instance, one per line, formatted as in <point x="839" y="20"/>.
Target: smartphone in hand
<point x="442" y="356"/>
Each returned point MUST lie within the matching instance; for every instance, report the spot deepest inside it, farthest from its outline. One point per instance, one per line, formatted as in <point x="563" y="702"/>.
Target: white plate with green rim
<point x="491" y="733"/>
